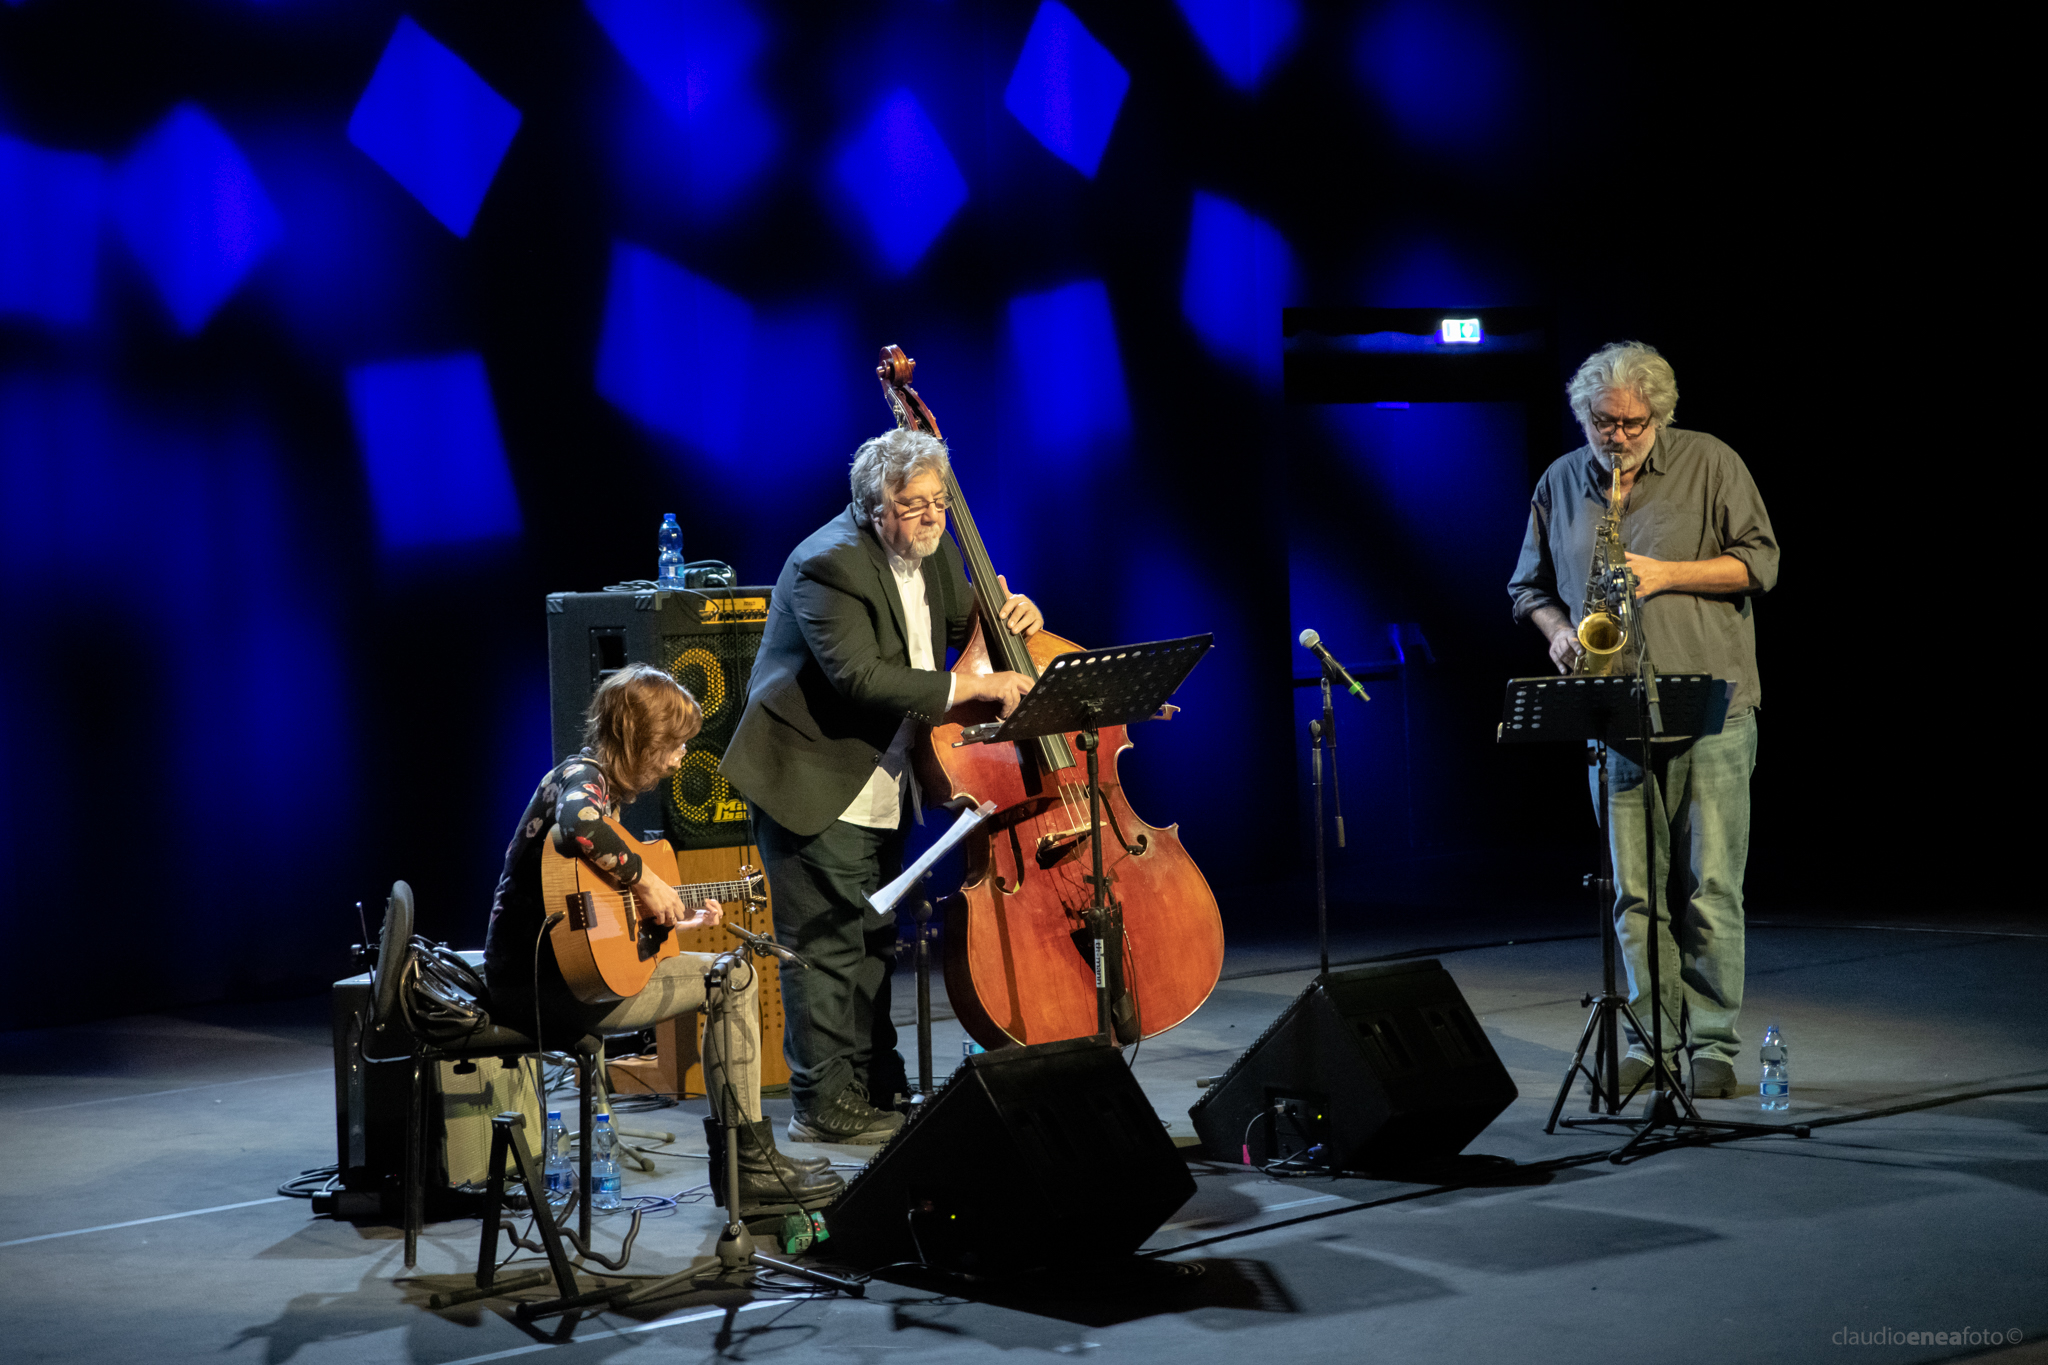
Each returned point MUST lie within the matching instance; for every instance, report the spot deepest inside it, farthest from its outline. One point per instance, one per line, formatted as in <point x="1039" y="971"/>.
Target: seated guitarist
<point x="639" y="723"/>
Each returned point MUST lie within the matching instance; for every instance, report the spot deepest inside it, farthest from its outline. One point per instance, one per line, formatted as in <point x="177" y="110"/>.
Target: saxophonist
<point x="1701" y="548"/>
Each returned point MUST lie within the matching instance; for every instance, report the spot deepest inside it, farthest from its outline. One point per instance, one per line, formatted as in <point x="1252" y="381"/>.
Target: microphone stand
<point x="1321" y="733"/>
<point x="735" y="1250"/>
<point x="1315" y="762"/>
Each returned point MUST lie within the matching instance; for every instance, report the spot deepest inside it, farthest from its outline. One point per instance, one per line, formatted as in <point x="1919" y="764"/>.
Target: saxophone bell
<point x="1601" y="632"/>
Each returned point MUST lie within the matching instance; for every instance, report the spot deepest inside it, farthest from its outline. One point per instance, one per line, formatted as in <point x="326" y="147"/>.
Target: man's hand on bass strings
<point x="1006" y="690"/>
<point x="1021" y="615"/>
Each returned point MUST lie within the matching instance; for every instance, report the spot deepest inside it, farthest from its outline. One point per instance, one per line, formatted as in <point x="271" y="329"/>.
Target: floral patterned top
<point x="568" y="807"/>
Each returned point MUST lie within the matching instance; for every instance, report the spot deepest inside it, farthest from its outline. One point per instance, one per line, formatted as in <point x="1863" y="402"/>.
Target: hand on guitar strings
<point x="659" y="904"/>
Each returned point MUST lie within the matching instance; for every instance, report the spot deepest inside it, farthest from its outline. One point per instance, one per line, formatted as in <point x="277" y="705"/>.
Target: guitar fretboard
<point x="716" y="891"/>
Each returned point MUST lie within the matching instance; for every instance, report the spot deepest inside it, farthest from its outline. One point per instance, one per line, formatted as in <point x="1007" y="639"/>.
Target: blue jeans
<point x="1701" y="796"/>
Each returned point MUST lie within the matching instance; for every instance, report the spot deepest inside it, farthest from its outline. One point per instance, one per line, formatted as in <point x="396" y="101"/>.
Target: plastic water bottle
<point x="604" y="1165"/>
<point x="561" y="1175"/>
<point x="1776" y="1088"/>
<point x="671" y="574"/>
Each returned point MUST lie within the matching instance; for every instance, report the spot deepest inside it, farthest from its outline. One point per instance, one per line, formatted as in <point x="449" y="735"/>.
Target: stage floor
<point x="138" y="1219"/>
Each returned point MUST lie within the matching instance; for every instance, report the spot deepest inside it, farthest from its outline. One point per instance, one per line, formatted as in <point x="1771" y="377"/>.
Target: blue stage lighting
<point x="674" y="345"/>
<point x="194" y="213"/>
<point x="236" y="650"/>
<point x="1069" y="327"/>
<point x="684" y="357"/>
<point x="1444" y="71"/>
<point x="358" y="273"/>
<point x="1066" y="89"/>
<point x="1239" y="273"/>
<point x="49" y="232"/>
<point x="430" y="444"/>
<point x="906" y="184"/>
<point x="433" y="125"/>
<point x="697" y="61"/>
<point x="1244" y="37"/>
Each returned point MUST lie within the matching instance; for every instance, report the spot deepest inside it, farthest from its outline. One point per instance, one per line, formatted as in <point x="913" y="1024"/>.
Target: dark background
<point x="237" y="700"/>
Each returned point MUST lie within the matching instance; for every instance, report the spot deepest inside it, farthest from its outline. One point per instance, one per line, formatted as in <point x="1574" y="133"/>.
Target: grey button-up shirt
<point x="1692" y="499"/>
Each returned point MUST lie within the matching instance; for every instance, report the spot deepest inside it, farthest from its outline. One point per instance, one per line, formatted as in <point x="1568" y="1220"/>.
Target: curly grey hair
<point x="885" y="464"/>
<point x="1632" y="367"/>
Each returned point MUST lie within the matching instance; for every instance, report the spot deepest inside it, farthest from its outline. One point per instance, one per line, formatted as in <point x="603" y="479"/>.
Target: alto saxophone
<point x="1609" y="609"/>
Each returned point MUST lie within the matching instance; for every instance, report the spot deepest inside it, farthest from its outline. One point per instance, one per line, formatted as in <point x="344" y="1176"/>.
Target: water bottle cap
<point x="604" y="1118"/>
<point x="554" y="1115"/>
<point x="668" y="516"/>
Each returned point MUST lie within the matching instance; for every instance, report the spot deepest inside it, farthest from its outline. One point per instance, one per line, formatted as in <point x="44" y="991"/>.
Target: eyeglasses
<point x="1630" y="426"/>
<point x="917" y="507"/>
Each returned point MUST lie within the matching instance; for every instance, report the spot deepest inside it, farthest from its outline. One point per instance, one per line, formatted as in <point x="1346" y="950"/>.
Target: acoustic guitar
<point x="605" y="949"/>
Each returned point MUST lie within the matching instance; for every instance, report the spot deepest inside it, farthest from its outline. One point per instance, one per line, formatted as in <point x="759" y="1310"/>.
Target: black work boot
<point x="771" y="1183"/>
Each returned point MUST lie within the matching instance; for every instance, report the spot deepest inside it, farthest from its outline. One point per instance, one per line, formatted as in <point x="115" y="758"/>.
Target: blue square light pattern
<point x="431" y="449"/>
<point x="1066" y="89"/>
<point x="1243" y="37"/>
<point x="433" y="125"/>
<point x="49" y="232"/>
<point x="191" y="208"/>
<point x="1444" y="70"/>
<point x="673" y="345"/>
<point x="907" y="185"/>
<point x="691" y="360"/>
<point x="697" y="61"/>
<point x="1089" y="407"/>
<point x="1239" y="274"/>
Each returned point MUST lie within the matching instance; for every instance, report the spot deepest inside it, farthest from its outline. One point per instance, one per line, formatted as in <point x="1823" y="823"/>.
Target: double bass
<point x="1018" y="951"/>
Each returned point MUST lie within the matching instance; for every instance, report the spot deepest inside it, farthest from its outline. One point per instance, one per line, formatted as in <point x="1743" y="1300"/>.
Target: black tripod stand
<point x="1629" y="709"/>
<point x="735" y="1250"/>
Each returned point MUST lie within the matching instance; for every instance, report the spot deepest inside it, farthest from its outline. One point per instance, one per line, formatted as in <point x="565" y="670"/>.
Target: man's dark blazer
<point x="833" y="679"/>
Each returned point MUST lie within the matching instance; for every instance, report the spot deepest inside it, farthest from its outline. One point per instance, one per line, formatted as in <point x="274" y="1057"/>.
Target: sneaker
<point x="1713" y="1079"/>
<point x="846" y="1118"/>
<point x="1635" y="1071"/>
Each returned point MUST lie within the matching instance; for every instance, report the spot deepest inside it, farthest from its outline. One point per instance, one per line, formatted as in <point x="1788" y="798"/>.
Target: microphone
<point x="1313" y="643"/>
<point x="764" y="946"/>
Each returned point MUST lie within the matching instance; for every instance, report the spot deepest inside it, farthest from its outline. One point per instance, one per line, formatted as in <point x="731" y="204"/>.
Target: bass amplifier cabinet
<point x="1027" y="1156"/>
<point x="706" y="640"/>
<point x="1381" y="1067"/>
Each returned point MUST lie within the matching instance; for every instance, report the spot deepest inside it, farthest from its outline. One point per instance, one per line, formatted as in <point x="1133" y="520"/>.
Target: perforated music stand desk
<point x="1085" y="691"/>
<point x="1576" y="710"/>
<point x="1091" y="688"/>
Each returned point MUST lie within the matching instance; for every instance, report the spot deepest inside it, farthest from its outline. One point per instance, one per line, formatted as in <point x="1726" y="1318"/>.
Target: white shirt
<point x="879" y="804"/>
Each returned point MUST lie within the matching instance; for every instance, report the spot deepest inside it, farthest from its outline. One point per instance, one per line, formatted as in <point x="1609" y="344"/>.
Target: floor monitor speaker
<point x="1373" y="1068"/>
<point x="1027" y="1156"/>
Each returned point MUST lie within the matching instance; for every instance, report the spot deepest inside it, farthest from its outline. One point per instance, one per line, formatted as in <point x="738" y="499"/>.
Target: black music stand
<point x="1606" y="710"/>
<point x="1083" y="692"/>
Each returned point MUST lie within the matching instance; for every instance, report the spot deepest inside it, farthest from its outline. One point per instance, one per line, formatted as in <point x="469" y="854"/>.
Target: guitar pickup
<point x="580" y="906"/>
